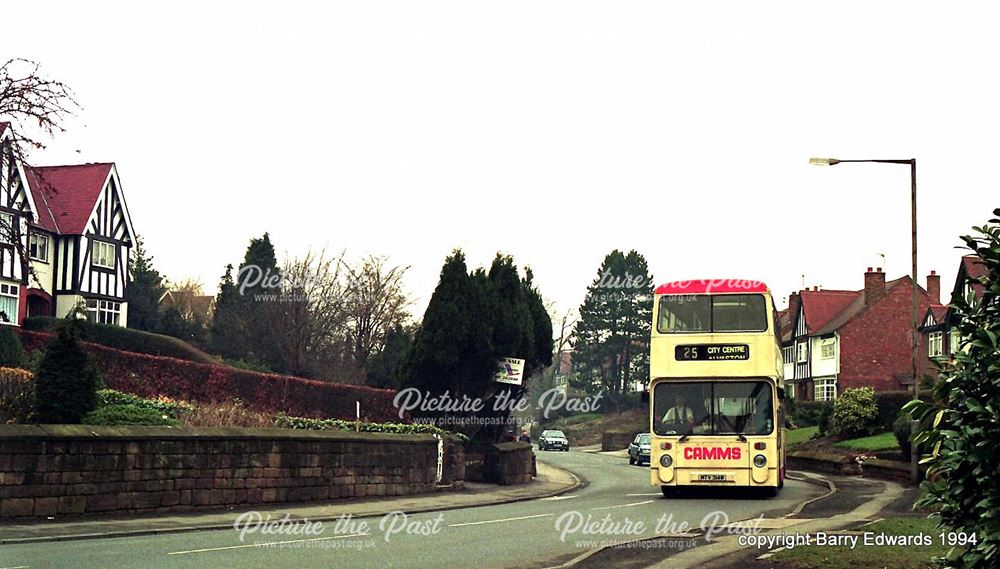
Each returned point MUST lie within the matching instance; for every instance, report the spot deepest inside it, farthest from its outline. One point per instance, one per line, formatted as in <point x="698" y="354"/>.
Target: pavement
<point x="550" y="481"/>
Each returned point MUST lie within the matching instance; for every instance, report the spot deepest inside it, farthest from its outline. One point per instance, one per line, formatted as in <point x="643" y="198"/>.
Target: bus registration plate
<point x="712" y="478"/>
<point x="712" y="352"/>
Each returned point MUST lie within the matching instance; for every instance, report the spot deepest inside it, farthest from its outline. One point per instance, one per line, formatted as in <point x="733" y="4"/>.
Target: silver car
<point x="552" y="439"/>
<point x="638" y="449"/>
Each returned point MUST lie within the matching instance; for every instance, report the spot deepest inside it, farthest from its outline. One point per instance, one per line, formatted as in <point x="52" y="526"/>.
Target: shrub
<point x="855" y="413"/>
<point x="161" y="405"/>
<point x="17" y="395"/>
<point x="962" y="429"/>
<point x="126" y="339"/>
<point x="808" y="413"/>
<point x="115" y="415"/>
<point x="152" y="376"/>
<point x="286" y="422"/>
<point x="823" y="423"/>
<point x="901" y="428"/>
<point x="66" y="382"/>
<point x="11" y="351"/>
<point x="888" y="404"/>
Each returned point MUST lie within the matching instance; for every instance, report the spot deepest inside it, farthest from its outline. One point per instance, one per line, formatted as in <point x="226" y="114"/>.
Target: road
<point x="523" y="534"/>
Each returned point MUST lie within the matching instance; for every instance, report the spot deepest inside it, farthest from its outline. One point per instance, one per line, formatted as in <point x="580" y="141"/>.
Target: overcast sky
<point x="553" y="131"/>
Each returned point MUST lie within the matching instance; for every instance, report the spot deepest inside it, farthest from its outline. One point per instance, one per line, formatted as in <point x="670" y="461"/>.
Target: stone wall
<point x="616" y="440"/>
<point x="50" y="470"/>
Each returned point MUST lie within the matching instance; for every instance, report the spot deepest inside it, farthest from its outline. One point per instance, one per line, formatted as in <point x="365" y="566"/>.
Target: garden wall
<point x="57" y="470"/>
<point x="152" y="376"/>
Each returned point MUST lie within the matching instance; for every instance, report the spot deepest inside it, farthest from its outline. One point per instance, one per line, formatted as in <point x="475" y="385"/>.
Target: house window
<point x="38" y="247"/>
<point x="803" y="352"/>
<point x="104" y="311"/>
<point x="935" y="344"/>
<point x="954" y="340"/>
<point x="790" y="390"/>
<point x="6" y="227"/>
<point x="825" y="389"/>
<point x="788" y="354"/>
<point x="8" y="303"/>
<point x="102" y="254"/>
<point x="828" y="349"/>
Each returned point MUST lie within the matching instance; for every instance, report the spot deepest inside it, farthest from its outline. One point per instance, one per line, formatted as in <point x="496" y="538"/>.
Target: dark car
<point x="638" y="449"/>
<point x="551" y="439"/>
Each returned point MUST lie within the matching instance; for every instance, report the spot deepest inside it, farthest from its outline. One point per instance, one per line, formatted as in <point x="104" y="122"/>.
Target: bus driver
<point x="679" y="413"/>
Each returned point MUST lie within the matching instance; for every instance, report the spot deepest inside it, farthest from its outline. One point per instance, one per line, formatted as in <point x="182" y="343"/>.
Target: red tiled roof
<point x="939" y="311"/>
<point x="822" y="306"/>
<point x="65" y="195"/>
<point x="711" y="286"/>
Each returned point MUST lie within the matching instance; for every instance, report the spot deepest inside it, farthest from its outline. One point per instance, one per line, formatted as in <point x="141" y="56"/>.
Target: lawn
<point x="799" y="436"/>
<point x="883" y="441"/>
<point x="872" y="555"/>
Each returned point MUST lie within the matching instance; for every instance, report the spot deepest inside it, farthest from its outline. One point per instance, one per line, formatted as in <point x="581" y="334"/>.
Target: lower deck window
<point x="104" y="311"/>
<point x="8" y="303"/>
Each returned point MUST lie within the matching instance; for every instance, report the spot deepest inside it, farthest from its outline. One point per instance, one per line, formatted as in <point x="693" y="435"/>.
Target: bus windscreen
<point x="713" y="408"/>
<point x="708" y="313"/>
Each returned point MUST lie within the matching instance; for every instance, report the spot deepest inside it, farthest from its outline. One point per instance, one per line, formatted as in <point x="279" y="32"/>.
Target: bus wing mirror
<point x="645" y="396"/>
<point x="781" y="393"/>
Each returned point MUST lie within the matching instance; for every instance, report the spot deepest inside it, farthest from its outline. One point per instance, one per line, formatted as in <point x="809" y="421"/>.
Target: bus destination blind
<point x="712" y="352"/>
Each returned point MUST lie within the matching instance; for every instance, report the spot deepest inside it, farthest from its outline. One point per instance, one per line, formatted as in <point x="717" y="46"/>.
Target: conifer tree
<point x="144" y="291"/>
<point x="67" y="379"/>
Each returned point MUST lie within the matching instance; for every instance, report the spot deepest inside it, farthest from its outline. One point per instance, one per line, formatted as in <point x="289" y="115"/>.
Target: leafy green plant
<point x="855" y="413"/>
<point x="161" y="405"/>
<point x="962" y="427"/>
<point x="286" y="422"/>
<point x="901" y="428"/>
<point x="118" y="415"/>
<point x="11" y="351"/>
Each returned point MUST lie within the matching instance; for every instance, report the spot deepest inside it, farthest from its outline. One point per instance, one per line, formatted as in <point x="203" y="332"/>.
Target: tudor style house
<point x="838" y="339"/>
<point x="68" y="240"/>
<point x="940" y="323"/>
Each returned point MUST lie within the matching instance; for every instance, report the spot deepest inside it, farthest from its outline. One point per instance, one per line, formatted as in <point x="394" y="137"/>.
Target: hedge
<point x="127" y="339"/>
<point x="155" y="376"/>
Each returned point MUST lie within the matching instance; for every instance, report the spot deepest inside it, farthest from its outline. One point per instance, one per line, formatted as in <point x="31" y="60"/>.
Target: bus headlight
<point x="666" y="461"/>
<point x="759" y="461"/>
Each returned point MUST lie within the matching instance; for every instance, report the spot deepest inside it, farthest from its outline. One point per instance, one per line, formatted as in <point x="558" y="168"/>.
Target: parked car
<point x="638" y="449"/>
<point x="551" y="439"/>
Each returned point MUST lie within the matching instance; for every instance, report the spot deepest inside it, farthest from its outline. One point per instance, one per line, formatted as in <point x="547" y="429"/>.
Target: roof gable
<point x="67" y="195"/>
<point x="823" y="306"/>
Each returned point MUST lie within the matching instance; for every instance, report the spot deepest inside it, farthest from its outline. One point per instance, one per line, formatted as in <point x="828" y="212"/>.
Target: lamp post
<point x="915" y="344"/>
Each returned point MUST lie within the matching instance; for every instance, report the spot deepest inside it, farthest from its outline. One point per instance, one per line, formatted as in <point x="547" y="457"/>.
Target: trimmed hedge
<point x="286" y="422"/>
<point x="152" y="376"/>
<point x="809" y="413"/>
<point x="889" y="403"/>
<point x="17" y="395"/>
<point x="118" y="415"/>
<point x="127" y="339"/>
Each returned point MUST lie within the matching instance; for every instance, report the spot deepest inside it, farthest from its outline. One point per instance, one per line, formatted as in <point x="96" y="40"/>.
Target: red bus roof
<point x="712" y="286"/>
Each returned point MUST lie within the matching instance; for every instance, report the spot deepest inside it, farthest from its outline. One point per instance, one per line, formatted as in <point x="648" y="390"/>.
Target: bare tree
<point x="311" y="320"/>
<point x="375" y="303"/>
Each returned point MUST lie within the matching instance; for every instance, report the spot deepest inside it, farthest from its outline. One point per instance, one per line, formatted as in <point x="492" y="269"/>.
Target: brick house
<point x="940" y="322"/>
<point x="833" y="340"/>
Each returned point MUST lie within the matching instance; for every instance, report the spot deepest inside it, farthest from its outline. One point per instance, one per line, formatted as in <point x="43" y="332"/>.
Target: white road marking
<point x="646" y="494"/>
<point x="554" y="498"/>
<point x="265" y="544"/>
<point x="499" y="521"/>
<point x="18" y="567"/>
<point x="623" y="505"/>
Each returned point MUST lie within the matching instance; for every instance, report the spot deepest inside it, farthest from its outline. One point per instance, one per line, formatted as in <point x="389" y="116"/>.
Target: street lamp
<point x="914" y="470"/>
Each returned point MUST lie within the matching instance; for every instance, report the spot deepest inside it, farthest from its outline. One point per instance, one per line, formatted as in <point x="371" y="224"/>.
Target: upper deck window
<point x="708" y="313"/>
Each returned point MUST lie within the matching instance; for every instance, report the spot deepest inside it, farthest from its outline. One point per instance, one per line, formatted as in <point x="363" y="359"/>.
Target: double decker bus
<point x="716" y="386"/>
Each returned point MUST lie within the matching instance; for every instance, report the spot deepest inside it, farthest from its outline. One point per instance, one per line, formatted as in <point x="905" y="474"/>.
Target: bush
<point x="808" y="413"/>
<point x="901" y="428"/>
<point x="287" y="422"/>
<point x="161" y="405"/>
<point x="961" y="429"/>
<point x="855" y="413"/>
<point x="823" y="423"/>
<point x="888" y="404"/>
<point x="116" y="415"/>
<point x="66" y="382"/>
<point x="17" y="395"/>
<point x="11" y="351"/>
<point x="231" y="414"/>
<point x="126" y="339"/>
<point x="151" y="376"/>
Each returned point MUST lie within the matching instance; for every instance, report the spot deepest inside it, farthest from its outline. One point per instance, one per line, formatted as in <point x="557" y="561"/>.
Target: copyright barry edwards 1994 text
<point x="852" y="541"/>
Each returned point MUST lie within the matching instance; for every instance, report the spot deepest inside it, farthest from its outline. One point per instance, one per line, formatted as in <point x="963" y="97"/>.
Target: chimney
<point x="874" y="286"/>
<point x="934" y="287"/>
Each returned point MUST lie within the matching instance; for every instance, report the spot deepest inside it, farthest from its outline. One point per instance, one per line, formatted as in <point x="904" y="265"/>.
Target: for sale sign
<point x="509" y="370"/>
